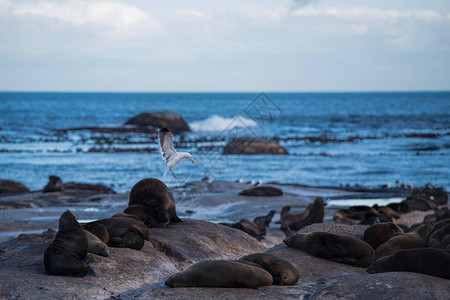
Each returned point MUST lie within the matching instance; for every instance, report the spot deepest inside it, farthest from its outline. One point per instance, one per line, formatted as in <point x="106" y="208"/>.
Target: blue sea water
<point x="368" y="139"/>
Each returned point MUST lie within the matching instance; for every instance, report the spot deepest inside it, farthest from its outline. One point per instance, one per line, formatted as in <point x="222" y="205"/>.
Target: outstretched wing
<point x="166" y="144"/>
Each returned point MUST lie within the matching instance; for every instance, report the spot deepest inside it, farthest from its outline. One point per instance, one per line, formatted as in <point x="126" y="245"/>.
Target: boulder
<point x="254" y="145"/>
<point x="262" y="191"/>
<point x="12" y="187"/>
<point x="170" y="250"/>
<point x="161" y="119"/>
<point x="100" y="188"/>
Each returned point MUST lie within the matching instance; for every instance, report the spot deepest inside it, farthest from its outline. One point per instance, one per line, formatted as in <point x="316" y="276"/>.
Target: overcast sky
<point x="255" y="45"/>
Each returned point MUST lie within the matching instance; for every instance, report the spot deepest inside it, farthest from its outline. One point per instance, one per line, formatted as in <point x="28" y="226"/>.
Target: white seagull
<point x="168" y="152"/>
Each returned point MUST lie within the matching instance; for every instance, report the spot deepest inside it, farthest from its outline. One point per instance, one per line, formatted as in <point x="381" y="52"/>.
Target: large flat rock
<point x="22" y="273"/>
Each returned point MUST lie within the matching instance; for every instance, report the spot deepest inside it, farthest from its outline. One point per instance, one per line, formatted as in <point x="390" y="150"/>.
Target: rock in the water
<point x="100" y="188"/>
<point x="254" y="145"/>
<point x="12" y="187"/>
<point x="221" y="273"/>
<point x="262" y="191"/>
<point x="161" y="119"/>
<point x="55" y="184"/>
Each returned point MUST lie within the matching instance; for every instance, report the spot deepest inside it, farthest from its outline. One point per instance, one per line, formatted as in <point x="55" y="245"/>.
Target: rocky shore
<point x="132" y="274"/>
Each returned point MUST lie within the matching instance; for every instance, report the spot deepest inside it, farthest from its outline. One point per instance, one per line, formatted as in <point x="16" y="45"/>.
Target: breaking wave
<point x="217" y="124"/>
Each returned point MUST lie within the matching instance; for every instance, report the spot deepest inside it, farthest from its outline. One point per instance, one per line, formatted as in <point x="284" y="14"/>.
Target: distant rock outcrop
<point x="254" y="145"/>
<point x="161" y="119"/>
<point x="100" y="188"/>
<point x="262" y="191"/>
<point x="12" y="187"/>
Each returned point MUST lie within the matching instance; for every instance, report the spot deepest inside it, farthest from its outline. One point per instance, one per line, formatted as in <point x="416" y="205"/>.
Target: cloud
<point x="121" y="18"/>
<point x="302" y="3"/>
<point x="361" y="13"/>
<point x="5" y="5"/>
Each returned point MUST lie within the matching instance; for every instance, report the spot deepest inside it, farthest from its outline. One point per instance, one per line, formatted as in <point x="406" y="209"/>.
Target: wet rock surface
<point x="12" y="187"/>
<point x="254" y="145"/>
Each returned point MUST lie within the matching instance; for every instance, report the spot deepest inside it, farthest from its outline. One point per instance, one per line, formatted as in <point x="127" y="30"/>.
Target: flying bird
<point x="168" y="152"/>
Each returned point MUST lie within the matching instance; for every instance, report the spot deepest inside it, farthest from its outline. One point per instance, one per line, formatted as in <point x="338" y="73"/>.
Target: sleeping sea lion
<point x="413" y="239"/>
<point x="125" y="215"/>
<point x="97" y="229"/>
<point x="122" y="234"/>
<point x="380" y="233"/>
<point x="156" y="200"/>
<point x="430" y="261"/>
<point x="221" y="273"/>
<point x="282" y="271"/>
<point x="67" y="253"/>
<point x="340" y="248"/>
<point x="95" y="245"/>
<point x="440" y="238"/>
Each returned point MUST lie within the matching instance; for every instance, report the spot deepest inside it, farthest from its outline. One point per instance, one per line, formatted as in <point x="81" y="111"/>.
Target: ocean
<point x="366" y="139"/>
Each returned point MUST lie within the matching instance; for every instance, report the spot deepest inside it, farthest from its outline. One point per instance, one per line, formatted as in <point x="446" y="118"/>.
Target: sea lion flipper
<point x="91" y="272"/>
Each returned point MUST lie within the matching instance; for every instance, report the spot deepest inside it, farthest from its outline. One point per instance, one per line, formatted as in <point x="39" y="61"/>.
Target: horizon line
<point x="226" y="92"/>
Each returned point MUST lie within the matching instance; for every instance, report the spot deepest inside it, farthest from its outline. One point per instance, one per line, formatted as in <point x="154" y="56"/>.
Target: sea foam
<point x="217" y="124"/>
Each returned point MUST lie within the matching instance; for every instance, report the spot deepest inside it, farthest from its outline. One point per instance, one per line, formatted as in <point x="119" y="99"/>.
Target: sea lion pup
<point x="95" y="245"/>
<point x="221" y="273"/>
<point x="54" y="184"/>
<point x="138" y="224"/>
<point x="313" y="213"/>
<point x="430" y="261"/>
<point x="67" y="253"/>
<point x="99" y="230"/>
<point x="340" y="248"/>
<point x="380" y="233"/>
<point x="282" y="271"/>
<point x="122" y="234"/>
<point x="413" y="239"/>
<point x="156" y="199"/>
<point x="264" y="221"/>
<point x="440" y="238"/>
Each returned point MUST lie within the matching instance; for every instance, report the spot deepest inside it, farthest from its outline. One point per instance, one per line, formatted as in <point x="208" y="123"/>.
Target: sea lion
<point x="313" y="213"/>
<point x="282" y="271"/>
<point x="413" y="239"/>
<point x="369" y="219"/>
<point x="387" y="212"/>
<point x="138" y="224"/>
<point x="440" y="238"/>
<point x="438" y="215"/>
<point x="264" y="221"/>
<point x="95" y="245"/>
<point x="67" y="253"/>
<point x="250" y="228"/>
<point x="156" y="200"/>
<point x="380" y="233"/>
<point x="221" y="273"/>
<point x="357" y="212"/>
<point x="122" y="234"/>
<point x="99" y="230"/>
<point x="54" y="184"/>
<point x="430" y="261"/>
<point x="125" y="215"/>
<point x="340" y="248"/>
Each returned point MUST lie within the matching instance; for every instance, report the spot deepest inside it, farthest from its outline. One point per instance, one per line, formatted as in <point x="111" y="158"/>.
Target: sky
<point x="225" y="46"/>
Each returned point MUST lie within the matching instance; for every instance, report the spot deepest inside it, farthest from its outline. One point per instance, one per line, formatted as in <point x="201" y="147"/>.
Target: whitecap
<point x="217" y="124"/>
